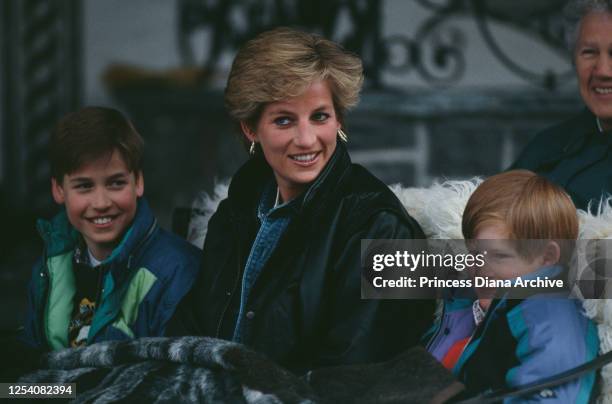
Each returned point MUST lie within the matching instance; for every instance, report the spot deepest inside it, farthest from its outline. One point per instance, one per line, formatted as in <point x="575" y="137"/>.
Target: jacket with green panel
<point x="145" y="277"/>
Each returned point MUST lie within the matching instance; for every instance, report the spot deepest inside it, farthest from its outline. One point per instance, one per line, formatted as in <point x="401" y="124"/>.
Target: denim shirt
<point x="274" y="221"/>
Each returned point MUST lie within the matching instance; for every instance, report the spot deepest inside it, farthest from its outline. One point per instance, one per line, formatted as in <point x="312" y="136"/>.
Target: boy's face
<point x="502" y="260"/>
<point x="101" y="201"/>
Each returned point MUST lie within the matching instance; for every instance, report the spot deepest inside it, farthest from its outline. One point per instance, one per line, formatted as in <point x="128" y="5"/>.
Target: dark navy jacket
<point x="146" y="276"/>
<point x="574" y="155"/>
<point x="304" y="309"/>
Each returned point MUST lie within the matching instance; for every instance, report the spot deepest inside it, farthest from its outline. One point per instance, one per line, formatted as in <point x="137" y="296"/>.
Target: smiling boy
<point x="108" y="271"/>
<point x="527" y="225"/>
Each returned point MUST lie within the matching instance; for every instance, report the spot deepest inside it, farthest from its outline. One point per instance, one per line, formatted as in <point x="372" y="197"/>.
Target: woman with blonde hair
<point x="281" y="268"/>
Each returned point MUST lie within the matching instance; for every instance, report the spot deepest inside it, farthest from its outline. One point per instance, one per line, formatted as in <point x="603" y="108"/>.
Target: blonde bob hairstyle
<point x="281" y="64"/>
<point x="529" y="206"/>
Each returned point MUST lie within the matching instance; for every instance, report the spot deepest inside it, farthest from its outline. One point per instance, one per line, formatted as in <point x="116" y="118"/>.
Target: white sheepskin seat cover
<point x="438" y="210"/>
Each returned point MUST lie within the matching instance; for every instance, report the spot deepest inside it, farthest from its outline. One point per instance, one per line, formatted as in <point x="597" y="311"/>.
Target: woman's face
<point x="298" y="137"/>
<point x="593" y="59"/>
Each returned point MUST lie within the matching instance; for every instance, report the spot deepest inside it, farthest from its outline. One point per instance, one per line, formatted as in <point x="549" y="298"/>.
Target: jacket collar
<point x="60" y="236"/>
<point x="249" y="183"/>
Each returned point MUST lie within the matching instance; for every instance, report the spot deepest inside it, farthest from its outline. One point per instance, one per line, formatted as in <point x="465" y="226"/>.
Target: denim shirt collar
<point x="247" y="186"/>
<point x="267" y="204"/>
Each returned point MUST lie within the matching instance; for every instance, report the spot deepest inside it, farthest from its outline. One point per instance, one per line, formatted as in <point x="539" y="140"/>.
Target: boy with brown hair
<point x="108" y="271"/>
<point x="527" y="226"/>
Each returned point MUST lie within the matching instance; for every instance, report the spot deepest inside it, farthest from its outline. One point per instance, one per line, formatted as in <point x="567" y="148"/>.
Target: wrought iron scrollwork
<point x="544" y="19"/>
<point x="541" y="20"/>
<point x="231" y="22"/>
<point x="437" y="6"/>
<point x="436" y="52"/>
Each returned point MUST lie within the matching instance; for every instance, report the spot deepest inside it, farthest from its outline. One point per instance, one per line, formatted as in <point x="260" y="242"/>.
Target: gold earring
<point x="342" y="136"/>
<point x="252" y="148"/>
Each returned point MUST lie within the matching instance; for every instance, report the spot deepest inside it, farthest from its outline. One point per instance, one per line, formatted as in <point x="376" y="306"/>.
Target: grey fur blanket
<point x="208" y="370"/>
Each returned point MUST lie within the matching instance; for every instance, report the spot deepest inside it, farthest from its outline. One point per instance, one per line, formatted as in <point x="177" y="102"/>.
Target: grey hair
<point x="575" y="11"/>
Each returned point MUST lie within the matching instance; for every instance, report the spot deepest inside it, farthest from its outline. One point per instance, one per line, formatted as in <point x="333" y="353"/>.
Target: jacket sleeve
<point x="544" y="330"/>
<point x="187" y="317"/>
<point x="182" y="319"/>
<point x="28" y="334"/>
<point x="21" y="350"/>
<point x="186" y="269"/>
<point x="362" y="331"/>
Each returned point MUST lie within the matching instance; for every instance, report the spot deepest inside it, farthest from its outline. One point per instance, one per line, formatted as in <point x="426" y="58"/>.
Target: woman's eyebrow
<point x="281" y="111"/>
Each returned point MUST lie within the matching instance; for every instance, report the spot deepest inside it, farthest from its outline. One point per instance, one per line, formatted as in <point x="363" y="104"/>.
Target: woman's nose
<point x="305" y="135"/>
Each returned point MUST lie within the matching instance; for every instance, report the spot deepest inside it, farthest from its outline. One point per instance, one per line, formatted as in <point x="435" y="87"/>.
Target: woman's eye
<point x="282" y="121"/>
<point x="320" y="116"/>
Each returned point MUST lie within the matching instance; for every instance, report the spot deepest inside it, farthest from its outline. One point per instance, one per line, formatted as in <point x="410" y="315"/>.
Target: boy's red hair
<point x="528" y="205"/>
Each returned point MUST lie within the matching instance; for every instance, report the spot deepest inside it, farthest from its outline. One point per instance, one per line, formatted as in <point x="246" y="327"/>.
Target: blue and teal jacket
<point x="145" y="277"/>
<point x="519" y="341"/>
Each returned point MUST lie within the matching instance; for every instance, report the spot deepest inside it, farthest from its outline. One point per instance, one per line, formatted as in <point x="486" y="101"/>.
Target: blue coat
<point x="147" y="275"/>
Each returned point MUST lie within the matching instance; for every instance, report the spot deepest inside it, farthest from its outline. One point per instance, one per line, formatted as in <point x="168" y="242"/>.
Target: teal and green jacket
<point x="146" y="276"/>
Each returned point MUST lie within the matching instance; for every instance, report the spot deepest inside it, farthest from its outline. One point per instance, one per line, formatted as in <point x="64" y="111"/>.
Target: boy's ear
<point x="57" y="191"/>
<point x="248" y="132"/>
<point x="139" y="178"/>
<point x="552" y="253"/>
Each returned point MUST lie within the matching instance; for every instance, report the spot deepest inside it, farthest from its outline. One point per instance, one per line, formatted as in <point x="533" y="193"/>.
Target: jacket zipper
<point x="484" y="324"/>
<point x="145" y="240"/>
<point x="44" y="300"/>
<point x="442" y="321"/>
<point x="231" y="296"/>
<point x="135" y="250"/>
<point x="99" y="286"/>
<point x="105" y="271"/>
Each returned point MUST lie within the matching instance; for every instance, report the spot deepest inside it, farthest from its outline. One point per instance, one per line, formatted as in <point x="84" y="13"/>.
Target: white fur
<point x="597" y="224"/>
<point x="202" y="209"/>
<point x="438" y="220"/>
<point x="438" y="209"/>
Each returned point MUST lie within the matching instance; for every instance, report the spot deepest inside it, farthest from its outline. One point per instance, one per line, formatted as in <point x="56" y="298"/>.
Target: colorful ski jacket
<point x="519" y="342"/>
<point x="145" y="277"/>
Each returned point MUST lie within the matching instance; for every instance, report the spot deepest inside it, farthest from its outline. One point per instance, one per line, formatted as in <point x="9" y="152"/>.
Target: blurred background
<point x="454" y="88"/>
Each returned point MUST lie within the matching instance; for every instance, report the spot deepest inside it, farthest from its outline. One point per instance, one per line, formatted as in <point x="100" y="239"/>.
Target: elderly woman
<point x="281" y="260"/>
<point x="575" y="154"/>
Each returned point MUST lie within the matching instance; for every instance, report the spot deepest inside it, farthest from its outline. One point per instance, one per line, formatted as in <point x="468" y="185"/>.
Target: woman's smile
<point x="305" y="159"/>
<point x="297" y="137"/>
